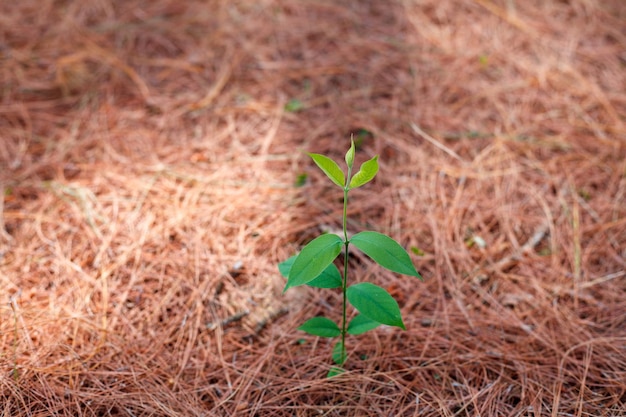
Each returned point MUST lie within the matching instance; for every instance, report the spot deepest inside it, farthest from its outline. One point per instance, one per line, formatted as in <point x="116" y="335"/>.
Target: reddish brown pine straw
<point x="148" y="156"/>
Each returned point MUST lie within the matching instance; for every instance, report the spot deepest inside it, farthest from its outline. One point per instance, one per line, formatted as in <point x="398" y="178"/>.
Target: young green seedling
<point x="314" y="266"/>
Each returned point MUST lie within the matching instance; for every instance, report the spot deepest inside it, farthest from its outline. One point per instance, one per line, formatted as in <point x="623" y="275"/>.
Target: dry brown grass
<point x="147" y="168"/>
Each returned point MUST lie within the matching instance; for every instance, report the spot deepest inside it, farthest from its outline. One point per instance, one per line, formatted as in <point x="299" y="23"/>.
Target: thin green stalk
<point x="345" y="268"/>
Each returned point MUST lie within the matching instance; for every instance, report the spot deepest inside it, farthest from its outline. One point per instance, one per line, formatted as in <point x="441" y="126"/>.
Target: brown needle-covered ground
<point x="149" y="155"/>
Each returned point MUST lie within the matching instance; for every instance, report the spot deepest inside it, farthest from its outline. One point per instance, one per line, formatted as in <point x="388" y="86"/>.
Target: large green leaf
<point x="375" y="303"/>
<point x="329" y="278"/>
<point x="330" y="168"/>
<point x="385" y="251"/>
<point x="361" y="324"/>
<point x="320" y="326"/>
<point x="315" y="257"/>
<point x="366" y="173"/>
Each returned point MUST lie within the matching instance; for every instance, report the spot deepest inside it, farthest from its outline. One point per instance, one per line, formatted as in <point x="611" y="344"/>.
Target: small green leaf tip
<point x="350" y="154"/>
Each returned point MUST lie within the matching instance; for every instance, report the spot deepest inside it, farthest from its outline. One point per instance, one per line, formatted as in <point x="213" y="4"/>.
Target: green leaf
<point x="338" y="354"/>
<point x="361" y="324"/>
<point x="350" y="155"/>
<point x="285" y="266"/>
<point x="314" y="259"/>
<point x="385" y="251"/>
<point x="417" y="251"/>
<point x="294" y="105"/>
<point x="334" y="371"/>
<point x="375" y="303"/>
<point x="366" y="173"/>
<point x="330" y="168"/>
<point x="329" y="278"/>
<point x="320" y="326"/>
<point x="300" y="180"/>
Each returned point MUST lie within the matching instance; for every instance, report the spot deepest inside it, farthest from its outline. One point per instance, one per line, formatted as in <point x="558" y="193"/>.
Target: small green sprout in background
<point x="483" y="60"/>
<point x="314" y="266"/>
<point x="360" y="136"/>
<point x="417" y="251"/>
<point x="294" y="105"/>
<point x="300" y="180"/>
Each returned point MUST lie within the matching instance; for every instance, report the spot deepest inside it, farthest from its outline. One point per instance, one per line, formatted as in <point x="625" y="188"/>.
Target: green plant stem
<point x="344" y="285"/>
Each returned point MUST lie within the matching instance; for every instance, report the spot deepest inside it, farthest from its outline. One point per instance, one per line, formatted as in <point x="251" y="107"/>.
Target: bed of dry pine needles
<point x="153" y="172"/>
